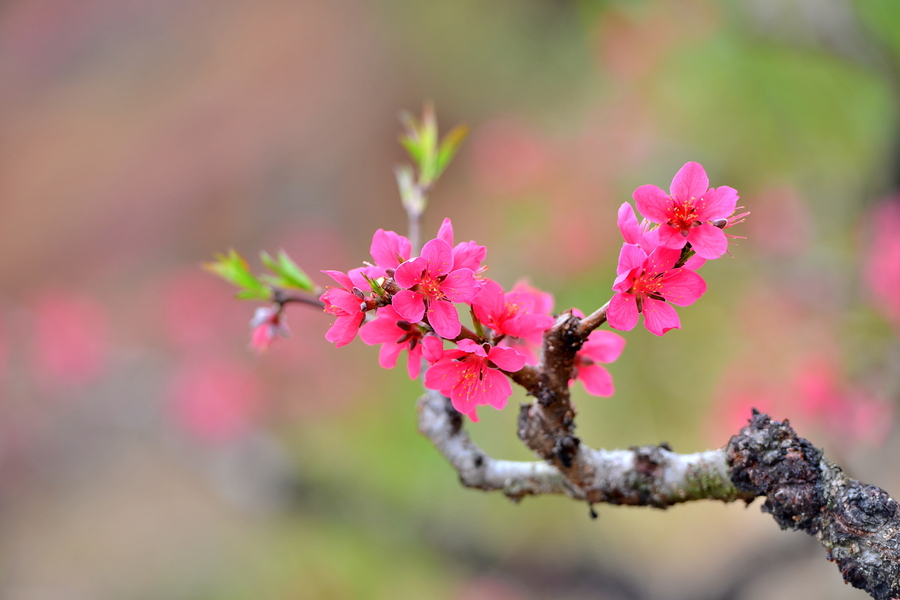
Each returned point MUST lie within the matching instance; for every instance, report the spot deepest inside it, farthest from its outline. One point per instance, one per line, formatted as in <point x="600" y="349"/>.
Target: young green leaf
<point x="235" y="270"/>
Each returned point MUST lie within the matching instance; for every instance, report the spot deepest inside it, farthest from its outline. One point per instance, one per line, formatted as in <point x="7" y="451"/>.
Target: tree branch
<point x="857" y="523"/>
<point x="645" y="476"/>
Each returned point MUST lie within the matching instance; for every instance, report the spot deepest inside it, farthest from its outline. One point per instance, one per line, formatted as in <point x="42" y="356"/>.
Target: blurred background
<point x="146" y="453"/>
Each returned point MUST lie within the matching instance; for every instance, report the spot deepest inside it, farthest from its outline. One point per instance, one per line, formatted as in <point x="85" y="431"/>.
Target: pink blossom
<point x="647" y="284"/>
<point x="267" y="324"/>
<point x="686" y="214"/>
<point x="466" y="255"/>
<point x="432" y="285"/>
<point x="389" y="249"/>
<point x="395" y="335"/>
<point x="71" y="338"/>
<point x="883" y="261"/>
<point x="216" y="400"/>
<point x="469" y="376"/>
<point x="600" y="347"/>
<point x="516" y="313"/>
<point x="346" y="304"/>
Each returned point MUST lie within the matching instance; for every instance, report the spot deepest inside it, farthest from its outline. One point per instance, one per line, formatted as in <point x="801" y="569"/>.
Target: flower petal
<point x="659" y="317"/>
<point x="689" y="182"/>
<point x="628" y="224"/>
<point x="671" y="237"/>
<point x="708" y="241"/>
<point x="387" y="356"/>
<point x="410" y="273"/>
<point x="717" y="203"/>
<point x="495" y="389"/>
<point x="631" y="256"/>
<point x="460" y="286"/>
<point x="682" y="287"/>
<point x="603" y="346"/>
<point x="622" y="313"/>
<point x="409" y="305"/>
<point x="468" y="255"/>
<point x="446" y="231"/>
<point x="443" y="318"/>
<point x="597" y="380"/>
<point x="506" y="358"/>
<point x="652" y="203"/>
<point x="438" y="257"/>
<point x="389" y="249"/>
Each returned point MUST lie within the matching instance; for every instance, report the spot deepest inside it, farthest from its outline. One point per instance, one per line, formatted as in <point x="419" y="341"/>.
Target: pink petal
<point x="409" y="305"/>
<point x="597" y="380"/>
<point x="432" y="348"/>
<point x="409" y="273"/>
<point x="468" y="255"/>
<point x="717" y="203"/>
<point x="347" y="302"/>
<point x="389" y="249"/>
<point x="506" y="359"/>
<point x="690" y="182"/>
<point x="682" y="287"/>
<point x="341" y="279"/>
<point x="603" y="346"/>
<point x="446" y="231"/>
<point x="467" y="345"/>
<point x="625" y="281"/>
<point x="659" y="317"/>
<point x="344" y="329"/>
<point x="488" y="302"/>
<point x="694" y="263"/>
<point x="708" y="241"/>
<point x="671" y="237"/>
<point x="527" y="325"/>
<point x="460" y="286"/>
<point x="495" y="389"/>
<point x="438" y="257"/>
<point x="622" y="313"/>
<point x="653" y="203"/>
<point x="443" y="318"/>
<point x="414" y="362"/>
<point x="628" y="224"/>
<point x="387" y="356"/>
<point x="661" y="260"/>
<point x="543" y="301"/>
<point x="473" y="415"/>
<point x="631" y="257"/>
<point x="382" y="330"/>
<point x="442" y="375"/>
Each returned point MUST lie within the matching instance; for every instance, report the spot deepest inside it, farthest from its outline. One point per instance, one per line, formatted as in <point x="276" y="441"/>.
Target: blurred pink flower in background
<point x="71" y="339"/>
<point x="781" y="222"/>
<point x="507" y="157"/>
<point x="216" y="400"/>
<point x="198" y="309"/>
<point x="882" y="267"/>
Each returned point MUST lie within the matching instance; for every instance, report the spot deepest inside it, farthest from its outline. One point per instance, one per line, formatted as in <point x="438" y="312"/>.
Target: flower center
<point x="683" y="215"/>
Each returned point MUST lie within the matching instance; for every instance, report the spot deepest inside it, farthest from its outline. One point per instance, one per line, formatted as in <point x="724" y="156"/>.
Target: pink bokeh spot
<point x="882" y="268"/>
<point x="215" y="400"/>
<point x="600" y="347"/>
<point x="71" y="338"/>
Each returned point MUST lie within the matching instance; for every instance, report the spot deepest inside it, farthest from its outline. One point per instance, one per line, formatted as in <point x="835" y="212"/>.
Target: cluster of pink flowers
<point x="657" y="265"/>
<point x="416" y="298"/>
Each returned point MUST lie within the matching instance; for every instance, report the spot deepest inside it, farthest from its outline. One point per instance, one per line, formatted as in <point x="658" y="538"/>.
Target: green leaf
<point x="449" y="147"/>
<point x="235" y="270"/>
<point x="289" y="274"/>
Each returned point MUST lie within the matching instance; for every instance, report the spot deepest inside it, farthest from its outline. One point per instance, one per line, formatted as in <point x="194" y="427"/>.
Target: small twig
<point x="593" y="321"/>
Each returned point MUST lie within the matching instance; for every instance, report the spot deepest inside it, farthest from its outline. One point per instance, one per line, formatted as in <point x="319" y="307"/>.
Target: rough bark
<point x="857" y="523"/>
